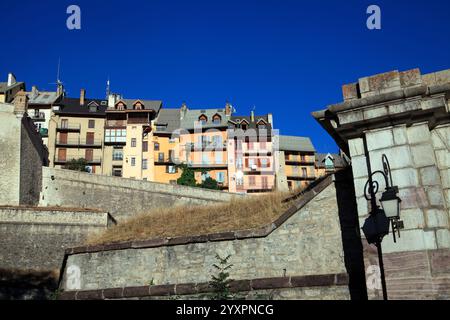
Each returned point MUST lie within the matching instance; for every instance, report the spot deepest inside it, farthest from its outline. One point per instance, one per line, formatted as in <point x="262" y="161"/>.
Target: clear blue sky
<point x="284" y="57"/>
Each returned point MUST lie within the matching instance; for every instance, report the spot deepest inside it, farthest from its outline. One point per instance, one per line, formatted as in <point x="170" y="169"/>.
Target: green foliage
<point x="221" y="281"/>
<point x="210" y="183"/>
<point x="187" y="177"/>
<point x="76" y="165"/>
<point x="55" y="294"/>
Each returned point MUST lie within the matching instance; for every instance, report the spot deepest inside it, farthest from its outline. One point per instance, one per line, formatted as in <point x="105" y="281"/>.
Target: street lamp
<point x="376" y="226"/>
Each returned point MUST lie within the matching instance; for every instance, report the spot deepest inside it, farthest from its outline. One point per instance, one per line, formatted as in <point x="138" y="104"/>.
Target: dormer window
<point x="203" y="119"/>
<point x="244" y="125"/>
<point x="120" y="106"/>
<point x="138" y="106"/>
<point x="262" y="124"/>
<point x="217" y="119"/>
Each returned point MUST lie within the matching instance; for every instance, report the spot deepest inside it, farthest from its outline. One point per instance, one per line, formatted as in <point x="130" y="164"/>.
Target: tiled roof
<point x="154" y="105"/>
<point x="4" y="86"/>
<point x="190" y="117"/>
<point x="42" y="97"/>
<point x="72" y="106"/>
<point x="170" y="118"/>
<point x="293" y="143"/>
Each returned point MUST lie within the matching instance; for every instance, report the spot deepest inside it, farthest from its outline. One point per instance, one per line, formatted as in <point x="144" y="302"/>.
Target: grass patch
<point x="237" y="214"/>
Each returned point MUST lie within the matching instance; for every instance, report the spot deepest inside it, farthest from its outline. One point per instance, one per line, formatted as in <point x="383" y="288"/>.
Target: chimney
<point x="183" y="110"/>
<point x="11" y="79"/>
<point x="34" y="92"/>
<point x="82" y="96"/>
<point x="228" y="109"/>
<point x="20" y="103"/>
<point x="252" y="116"/>
<point x="270" y="119"/>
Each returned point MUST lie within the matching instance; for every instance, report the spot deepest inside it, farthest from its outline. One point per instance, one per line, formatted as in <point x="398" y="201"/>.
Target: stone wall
<point x="311" y="228"/>
<point x="406" y="116"/>
<point x="36" y="238"/>
<point x="21" y="159"/>
<point x="121" y="197"/>
<point x="9" y="155"/>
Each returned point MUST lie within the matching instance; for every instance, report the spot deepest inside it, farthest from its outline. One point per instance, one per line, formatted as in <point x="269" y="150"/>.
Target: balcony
<point x="206" y="146"/>
<point x="166" y="160"/>
<point x="79" y="143"/>
<point x="38" y="117"/>
<point x="64" y="160"/>
<point x="301" y="176"/>
<point x="299" y="161"/>
<point x="116" y="124"/>
<point x="208" y="165"/>
<point x="65" y="127"/>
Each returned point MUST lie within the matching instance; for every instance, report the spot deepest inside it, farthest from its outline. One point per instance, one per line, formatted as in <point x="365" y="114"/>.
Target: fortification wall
<point x="122" y="198"/>
<point x="311" y="229"/>
<point x="36" y="238"/>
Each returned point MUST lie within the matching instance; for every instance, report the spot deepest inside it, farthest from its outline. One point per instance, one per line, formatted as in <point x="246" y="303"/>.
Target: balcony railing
<point x="64" y="160"/>
<point x="68" y="127"/>
<point x="79" y="142"/>
<point x="308" y="176"/>
<point x="38" y="116"/>
<point x="206" y="146"/>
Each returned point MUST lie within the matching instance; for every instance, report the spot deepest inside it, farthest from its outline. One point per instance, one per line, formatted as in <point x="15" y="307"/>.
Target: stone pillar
<point x="405" y="116"/>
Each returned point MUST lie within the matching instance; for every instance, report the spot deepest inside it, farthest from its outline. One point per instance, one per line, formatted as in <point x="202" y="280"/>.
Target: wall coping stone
<point x="321" y="280"/>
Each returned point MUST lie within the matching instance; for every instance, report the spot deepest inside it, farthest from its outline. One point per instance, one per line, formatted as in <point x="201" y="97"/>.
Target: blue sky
<point x="285" y="57"/>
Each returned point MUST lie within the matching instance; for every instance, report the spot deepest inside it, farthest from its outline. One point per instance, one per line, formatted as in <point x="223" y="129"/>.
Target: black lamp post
<point x="376" y="226"/>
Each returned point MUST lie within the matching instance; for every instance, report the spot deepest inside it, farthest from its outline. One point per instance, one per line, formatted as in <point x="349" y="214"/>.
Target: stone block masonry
<point x="406" y="116"/>
<point x="122" y="198"/>
<point x="36" y="238"/>
<point x="311" y="227"/>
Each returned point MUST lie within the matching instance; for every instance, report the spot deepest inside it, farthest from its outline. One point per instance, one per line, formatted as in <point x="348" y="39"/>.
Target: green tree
<point x="187" y="177"/>
<point x="76" y="165"/>
<point x="210" y="183"/>
<point x="221" y="281"/>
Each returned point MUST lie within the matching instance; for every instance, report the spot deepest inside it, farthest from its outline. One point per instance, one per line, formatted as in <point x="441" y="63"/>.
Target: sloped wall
<point x="307" y="243"/>
<point x="122" y="198"/>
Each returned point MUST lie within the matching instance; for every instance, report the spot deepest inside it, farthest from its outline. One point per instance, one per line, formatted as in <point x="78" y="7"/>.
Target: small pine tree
<point x="221" y="281"/>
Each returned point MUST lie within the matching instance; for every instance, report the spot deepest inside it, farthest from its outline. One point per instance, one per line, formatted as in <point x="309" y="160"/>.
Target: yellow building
<point x="203" y="142"/>
<point x="129" y="138"/>
<point x="166" y="146"/>
<point x="299" y="161"/>
<point x="76" y="131"/>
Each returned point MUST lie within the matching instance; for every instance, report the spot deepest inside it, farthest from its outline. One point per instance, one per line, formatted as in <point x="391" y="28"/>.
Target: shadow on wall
<point x="351" y="237"/>
<point x="27" y="285"/>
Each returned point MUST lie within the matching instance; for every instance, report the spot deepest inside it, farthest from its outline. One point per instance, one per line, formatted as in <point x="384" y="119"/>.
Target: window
<point x="217" y="141"/>
<point x="64" y="123"/>
<point x="156" y="146"/>
<point x="304" y="172"/>
<point x="144" y="164"/>
<point x="220" y="176"/>
<point x="133" y="142"/>
<point x="144" y="146"/>
<point x="261" y="126"/>
<point x="250" y="146"/>
<point x="171" y="155"/>
<point x="251" y="163"/>
<point x="171" y="169"/>
<point x="216" y="119"/>
<point x="265" y="163"/>
<point x="203" y="119"/>
<point x="133" y="161"/>
<point x="115" y="135"/>
<point x="117" y="172"/>
<point x="265" y="184"/>
<point x="219" y="157"/>
<point x="117" y="154"/>
<point x="302" y="157"/>
<point x="160" y="127"/>
<point x="161" y="157"/>
<point x="251" y="180"/>
<point x="91" y="124"/>
<point x="204" y="158"/>
<point x="205" y="175"/>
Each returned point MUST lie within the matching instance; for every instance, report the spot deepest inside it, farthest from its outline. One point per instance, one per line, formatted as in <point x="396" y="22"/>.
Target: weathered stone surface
<point x="418" y="134"/>
<point x="379" y="139"/>
<point x="313" y="234"/>
<point x="120" y="197"/>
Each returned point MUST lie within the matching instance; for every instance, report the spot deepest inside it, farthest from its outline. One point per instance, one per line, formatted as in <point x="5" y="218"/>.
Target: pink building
<point x="251" y="166"/>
